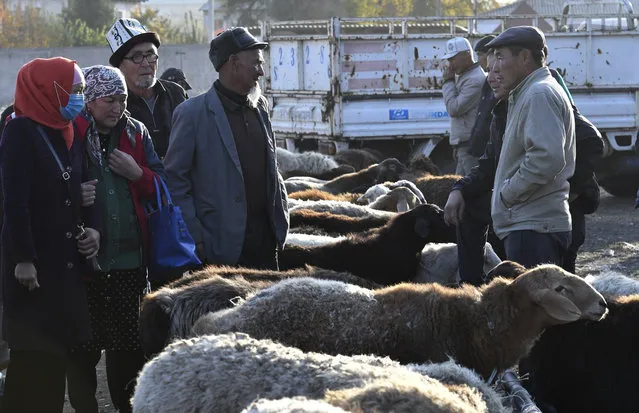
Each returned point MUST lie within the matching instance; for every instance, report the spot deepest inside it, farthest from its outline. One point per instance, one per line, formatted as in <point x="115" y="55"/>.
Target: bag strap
<point x="65" y="174"/>
<point x="165" y="192"/>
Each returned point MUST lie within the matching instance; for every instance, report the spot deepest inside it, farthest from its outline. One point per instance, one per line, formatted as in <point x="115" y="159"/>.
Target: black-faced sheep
<point x="387" y="255"/>
<point x="171" y="311"/>
<point x="437" y="188"/>
<point x="334" y="224"/>
<point x="311" y="163"/>
<point x="483" y="329"/>
<point x="358" y="158"/>
<point x="225" y="373"/>
<point x="588" y="367"/>
<point x="440" y="263"/>
<point x="319" y="195"/>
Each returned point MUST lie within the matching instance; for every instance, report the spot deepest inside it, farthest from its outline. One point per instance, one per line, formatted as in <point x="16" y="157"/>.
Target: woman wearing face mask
<point x="44" y="253"/>
<point x="122" y="165"/>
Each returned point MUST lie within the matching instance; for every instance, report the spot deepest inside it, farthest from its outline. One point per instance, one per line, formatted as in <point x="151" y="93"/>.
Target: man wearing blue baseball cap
<point x="220" y="164"/>
<point x="529" y="204"/>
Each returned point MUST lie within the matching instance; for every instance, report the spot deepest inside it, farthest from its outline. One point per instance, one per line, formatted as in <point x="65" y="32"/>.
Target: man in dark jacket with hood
<point x="151" y="100"/>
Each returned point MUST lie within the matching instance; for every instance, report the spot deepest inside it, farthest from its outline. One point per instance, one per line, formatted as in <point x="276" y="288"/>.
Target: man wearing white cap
<point x="151" y="100"/>
<point x="461" y="97"/>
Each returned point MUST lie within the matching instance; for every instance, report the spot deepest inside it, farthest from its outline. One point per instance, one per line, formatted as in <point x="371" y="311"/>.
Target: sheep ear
<point x="422" y="227"/>
<point x="556" y="305"/>
<point x="402" y="205"/>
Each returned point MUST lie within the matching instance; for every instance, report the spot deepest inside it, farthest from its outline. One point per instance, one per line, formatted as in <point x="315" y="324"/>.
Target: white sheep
<point x="313" y="163"/>
<point x="308" y="240"/>
<point x="483" y="329"/>
<point x="440" y="264"/>
<point x="612" y="284"/>
<point x="372" y="194"/>
<point x="338" y="207"/>
<point x="225" y="373"/>
<point x="292" y="405"/>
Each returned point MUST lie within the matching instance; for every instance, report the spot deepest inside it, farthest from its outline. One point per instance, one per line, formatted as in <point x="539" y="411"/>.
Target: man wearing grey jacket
<point x="461" y="97"/>
<point x="221" y="166"/>
<point x="529" y="203"/>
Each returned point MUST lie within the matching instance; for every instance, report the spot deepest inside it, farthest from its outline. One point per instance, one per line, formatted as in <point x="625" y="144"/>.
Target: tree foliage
<point x="97" y="14"/>
<point x="190" y="32"/>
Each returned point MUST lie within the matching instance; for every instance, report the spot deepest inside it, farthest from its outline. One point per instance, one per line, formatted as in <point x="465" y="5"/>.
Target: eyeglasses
<point x="137" y="58"/>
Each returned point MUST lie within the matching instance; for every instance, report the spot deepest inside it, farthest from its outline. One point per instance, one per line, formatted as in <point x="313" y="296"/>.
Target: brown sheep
<point x="357" y="158"/>
<point x="327" y="175"/>
<point x="171" y="311"/>
<point x="332" y="224"/>
<point x="420" y="166"/>
<point x="319" y="195"/>
<point x="437" y="188"/>
<point x="483" y="329"/>
<point x="388" y="170"/>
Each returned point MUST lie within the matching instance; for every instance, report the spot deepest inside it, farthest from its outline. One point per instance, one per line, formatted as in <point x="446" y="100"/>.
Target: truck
<point x="376" y="83"/>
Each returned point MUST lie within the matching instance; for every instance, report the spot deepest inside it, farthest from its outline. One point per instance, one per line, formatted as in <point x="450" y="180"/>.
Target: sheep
<point x="506" y="269"/>
<point x="437" y="188"/>
<point x="400" y="199"/>
<point x="306" y="240"/>
<point x="328" y="175"/>
<point x="312" y="163"/>
<point x="292" y="405"/>
<point x="372" y="194"/>
<point x="388" y="170"/>
<point x="387" y="255"/>
<point x="613" y="284"/>
<point x="410" y="185"/>
<point x="482" y="329"/>
<point x="419" y="166"/>
<point x="588" y="367"/>
<point x="224" y="373"/>
<point x="318" y="195"/>
<point x="440" y="264"/>
<point x="358" y="158"/>
<point x="334" y="223"/>
<point x="298" y="185"/>
<point x="172" y="310"/>
<point x="338" y="207"/>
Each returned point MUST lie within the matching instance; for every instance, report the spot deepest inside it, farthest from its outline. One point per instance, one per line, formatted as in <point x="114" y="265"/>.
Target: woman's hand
<point x="124" y="165"/>
<point x="89" y="243"/>
<point x="88" y="192"/>
<point x="26" y="274"/>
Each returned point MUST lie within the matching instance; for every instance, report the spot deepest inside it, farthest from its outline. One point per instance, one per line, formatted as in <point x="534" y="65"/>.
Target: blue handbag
<point x="172" y="247"/>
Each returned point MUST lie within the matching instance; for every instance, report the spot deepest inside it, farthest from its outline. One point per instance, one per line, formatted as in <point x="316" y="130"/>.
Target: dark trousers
<point x="578" y="237"/>
<point x="34" y="383"/>
<point x="122" y="368"/>
<point x="530" y="248"/>
<point x="260" y="246"/>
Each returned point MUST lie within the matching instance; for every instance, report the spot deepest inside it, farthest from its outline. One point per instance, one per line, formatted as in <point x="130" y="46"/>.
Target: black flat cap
<point x="480" y="46"/>
<point x="528" y="37"/>
<point x="232" y="41"/>
<point x="176" y="75"/>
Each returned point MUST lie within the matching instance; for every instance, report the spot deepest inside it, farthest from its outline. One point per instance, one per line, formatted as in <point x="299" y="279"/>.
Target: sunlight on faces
<point x="140" y="75"/>
<point x="494" y="79"/>
<point x="107" y="111"/>
<point x="460" y="62"/>
<point x="248" y="67"/>
<point x="511" y="68"/>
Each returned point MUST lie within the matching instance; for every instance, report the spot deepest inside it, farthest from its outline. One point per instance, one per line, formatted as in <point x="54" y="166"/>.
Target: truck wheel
<point x="621" y="186"/>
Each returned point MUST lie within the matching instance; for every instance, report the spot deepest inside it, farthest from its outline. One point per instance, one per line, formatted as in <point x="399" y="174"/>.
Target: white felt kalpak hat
<point x="126" y="33"/>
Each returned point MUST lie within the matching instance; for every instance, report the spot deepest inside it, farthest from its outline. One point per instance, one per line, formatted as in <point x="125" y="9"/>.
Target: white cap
<point x="457" y="45"/>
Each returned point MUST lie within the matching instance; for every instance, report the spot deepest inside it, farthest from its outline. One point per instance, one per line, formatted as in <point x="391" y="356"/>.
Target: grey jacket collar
<point x="534" y="77"/>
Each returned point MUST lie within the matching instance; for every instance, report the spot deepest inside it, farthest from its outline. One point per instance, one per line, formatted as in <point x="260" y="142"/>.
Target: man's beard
<point x="145" y="82"/>
<point x="254" y="96"/>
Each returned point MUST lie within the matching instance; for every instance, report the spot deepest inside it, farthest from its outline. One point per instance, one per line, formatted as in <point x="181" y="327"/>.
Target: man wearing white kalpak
<point x="463" y="81"/>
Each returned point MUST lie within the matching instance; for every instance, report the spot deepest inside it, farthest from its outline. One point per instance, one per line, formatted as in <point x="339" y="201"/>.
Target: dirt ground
<point x="612" y="243"/>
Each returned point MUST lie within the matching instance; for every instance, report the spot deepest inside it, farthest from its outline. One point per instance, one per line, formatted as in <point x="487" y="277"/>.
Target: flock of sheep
<point x="367" y="314"/>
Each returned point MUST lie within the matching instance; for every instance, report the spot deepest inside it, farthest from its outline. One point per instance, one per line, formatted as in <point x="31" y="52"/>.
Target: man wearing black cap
<point x="221" y="165"/>
<point x="176" y="75"/>
<point x="529" y="204"/>
<point x="150" y="100"/>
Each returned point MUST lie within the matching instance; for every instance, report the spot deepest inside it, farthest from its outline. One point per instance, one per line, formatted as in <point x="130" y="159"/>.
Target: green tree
<point x="97" y="14"/>
<point x="383" y="8"/>
<point x="190" y="32"/>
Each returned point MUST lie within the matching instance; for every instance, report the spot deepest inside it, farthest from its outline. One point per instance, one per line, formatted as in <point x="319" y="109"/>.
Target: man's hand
<point x="26" y="274"/>
<point x="454" y="208"/>
<point x="448" y="71"/>
<point x="89" y="243"/>
<point x="124" y="165"/>
<point x="88" y="192"/>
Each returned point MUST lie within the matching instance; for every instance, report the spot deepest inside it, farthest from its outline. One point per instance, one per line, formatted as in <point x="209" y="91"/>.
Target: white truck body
<point x="351" y="82"/>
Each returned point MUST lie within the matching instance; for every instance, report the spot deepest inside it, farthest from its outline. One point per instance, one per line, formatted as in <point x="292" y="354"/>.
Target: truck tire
<point x="621" y="186"/>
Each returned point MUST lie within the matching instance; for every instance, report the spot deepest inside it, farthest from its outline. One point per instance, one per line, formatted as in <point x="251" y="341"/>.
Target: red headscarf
<point x="36" y="96"/>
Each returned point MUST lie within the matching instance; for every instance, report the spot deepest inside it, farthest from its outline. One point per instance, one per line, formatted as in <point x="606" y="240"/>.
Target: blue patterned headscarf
<point x="103" y="81"/>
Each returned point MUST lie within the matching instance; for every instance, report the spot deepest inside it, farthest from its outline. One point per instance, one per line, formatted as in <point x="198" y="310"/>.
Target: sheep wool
<point x="292" y="405"/>
<point x="612" y="284"/>
<point x="225" y="373"/>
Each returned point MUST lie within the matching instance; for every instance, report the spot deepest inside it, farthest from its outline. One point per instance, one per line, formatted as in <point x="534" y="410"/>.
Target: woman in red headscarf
<point x="44" y="252"/>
